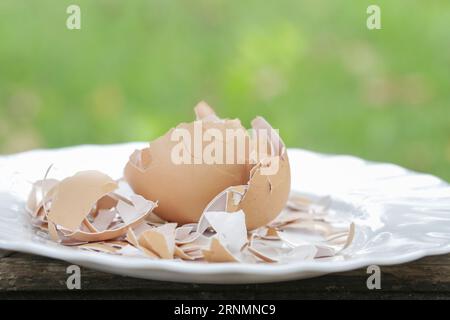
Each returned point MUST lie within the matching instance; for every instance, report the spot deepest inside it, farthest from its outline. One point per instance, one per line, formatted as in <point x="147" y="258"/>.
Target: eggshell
<point x="218" y="253"/>
<point x="72" y="200"/>
<point x="265" y="195"/>
<point x="185" y="191"/>
<point x="182" y="190"/>
<point x="39" y="191"/>
<point x="76" y="195"/>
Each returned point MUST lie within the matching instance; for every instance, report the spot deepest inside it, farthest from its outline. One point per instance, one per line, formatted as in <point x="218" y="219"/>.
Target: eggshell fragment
<point x="106" y="234"/>
<point x="71" y="201"/>
<point x="75" y="196"/>
<point x="230" y="228"/>
<point x="125" y="226"/>
<point x="132" y="238"/>
<point x="265" y="195"/>
<point x="178" y="252"/>
<point x="205" y="113"/>
<point x="230" y="238"/>
<point x="38" y="193"/>
<point x="103" y="219"/>
<point x="184" y="190"/>
<point x="160" y="240"/>
<point x="98" y="246"/>
<point x="218" y="253"/>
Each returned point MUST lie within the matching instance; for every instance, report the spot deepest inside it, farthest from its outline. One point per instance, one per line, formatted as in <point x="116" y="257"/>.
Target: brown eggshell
<point x="75" y="196"/>
<point x="218" y="253"/>
<point x="265" y="195"/>
<point x="185" y="191"/>
<point x="182" y="190"/>
<point x="106" y="234"/>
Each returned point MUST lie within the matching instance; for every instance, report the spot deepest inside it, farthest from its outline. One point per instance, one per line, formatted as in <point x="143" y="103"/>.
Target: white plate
<point x="400" y="215"/>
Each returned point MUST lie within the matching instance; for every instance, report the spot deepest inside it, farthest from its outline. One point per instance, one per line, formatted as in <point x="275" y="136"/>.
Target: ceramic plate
<point x="400" y="215"/>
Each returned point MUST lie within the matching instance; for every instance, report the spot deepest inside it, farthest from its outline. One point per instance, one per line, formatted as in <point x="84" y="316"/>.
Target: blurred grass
<point x="312" y="68"/>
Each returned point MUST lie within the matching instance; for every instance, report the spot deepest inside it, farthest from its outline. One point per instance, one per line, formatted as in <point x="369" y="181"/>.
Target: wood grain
<point x="28" y="276"/>
<point x="4" y="253"/>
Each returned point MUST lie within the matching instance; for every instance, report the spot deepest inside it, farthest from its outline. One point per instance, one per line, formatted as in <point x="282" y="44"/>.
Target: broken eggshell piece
<point x="185" y="191"/>
<point x="40" y="194"/>
<point x="84" y="208"/>
<point x="121" y="225"/>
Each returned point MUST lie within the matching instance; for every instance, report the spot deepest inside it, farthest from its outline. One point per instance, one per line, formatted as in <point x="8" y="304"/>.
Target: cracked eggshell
<point x="218" y="253"/>
<point x="90" y="194"/>
<point x="267" y="194"/>
<point x="264" y="196"/>
<point x="183" y="190"/>
<point x="75" y="196"/>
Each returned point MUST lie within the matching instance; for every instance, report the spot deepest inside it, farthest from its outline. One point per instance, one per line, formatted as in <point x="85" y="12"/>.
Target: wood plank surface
<point x="29" y="276"/>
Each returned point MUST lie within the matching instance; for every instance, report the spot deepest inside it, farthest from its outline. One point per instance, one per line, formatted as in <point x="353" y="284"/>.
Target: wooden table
<point x="28" y="276"/>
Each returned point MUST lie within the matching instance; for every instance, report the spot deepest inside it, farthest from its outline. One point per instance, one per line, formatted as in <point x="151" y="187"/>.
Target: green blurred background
<point x="312" y="68"/>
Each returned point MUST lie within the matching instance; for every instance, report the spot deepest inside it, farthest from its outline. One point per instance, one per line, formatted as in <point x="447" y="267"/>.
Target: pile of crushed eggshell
<point x="206" y="212"/>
